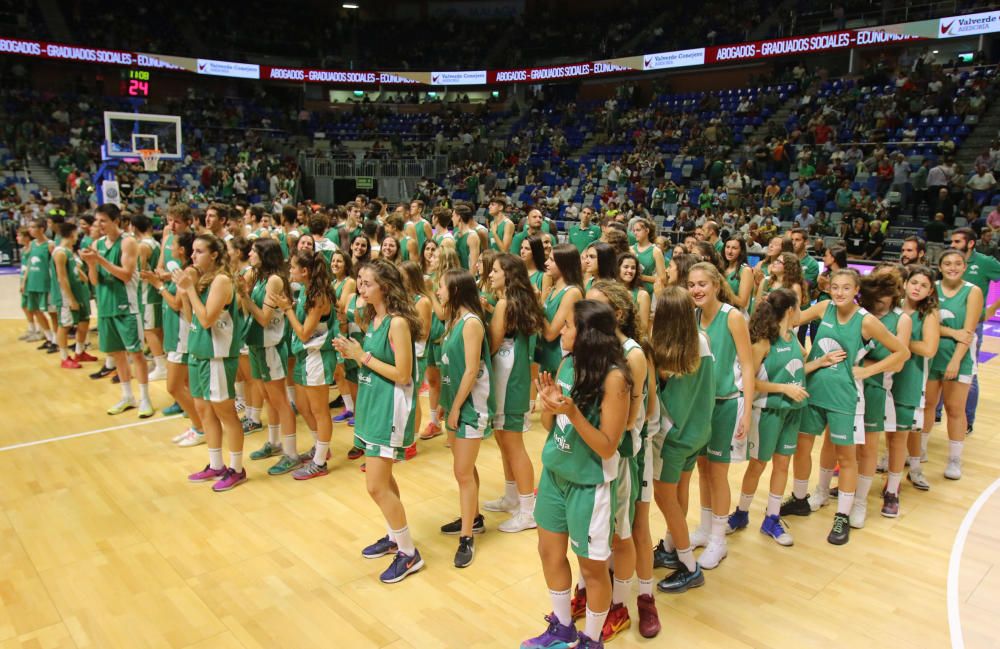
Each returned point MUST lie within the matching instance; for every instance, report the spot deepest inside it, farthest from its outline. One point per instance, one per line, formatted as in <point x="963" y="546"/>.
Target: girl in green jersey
<point x="445" y="259"/>
<point x="513" y="333"/>
<point x="415" y="286"/>
<point x="739" y="275"/>
<point x="386" y="391"/>
<point x="786" y="272"/>
<point x="389" y="250"/>
<point x="598" y="261"/>
<point x="532" y="253"/>
<point x="344" y="289"/>
<point x="628" y="274"/>
<point x="566" y="274"/>
<point x="586" y="407"/>
<point x="954" y="364"/>
<point x="650" y="257"/>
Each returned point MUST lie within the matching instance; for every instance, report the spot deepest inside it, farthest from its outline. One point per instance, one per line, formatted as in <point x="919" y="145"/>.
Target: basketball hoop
<point x="150" y="158"/>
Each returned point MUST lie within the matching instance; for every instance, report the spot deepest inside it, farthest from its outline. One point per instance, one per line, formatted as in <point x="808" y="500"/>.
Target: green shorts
<point x="845" y="429"/>
<point x="909" y="418"/>
<point x="315" y="367"/>
<point x="152" y="316"/>
<point x="213" y="379"/>
<point x="938" y="375"/>
<point x="117" y="333"/>
<point x="880" y="410"/>
<point x="177" y="358"/>
<point x="380" y="450"/>
<point x="676" y="451"/>
<point x="24" y="301"/>
<point x="723" y="446"/>
<point x="268" y="363"/>
<point x="36" y="300"/>
<point x="69" y="317"/>
<point x="774" y="431"/>
<point x="351" y="371"/>
<point x="626" y="487"/>
<point x="584" y="512"/>
<point x="432" y="355"/>
<point x="644" y="470"/>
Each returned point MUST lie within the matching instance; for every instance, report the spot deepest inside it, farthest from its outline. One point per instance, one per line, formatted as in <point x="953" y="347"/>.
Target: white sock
<point x="864" y="486"/>
<point x="241" y="390"/>
<point x="668" y="542"/>
<point x="126" y="387"/>
<point x="745" y="501"/>
<point x="290" y="391"/>
<point x="160" y="362"/>
<point x="253" y="414"/>
<point x="274" y="434"/>
<point x="527" y="503"/>
<point x="924" y="438"/>
<point x="79" y="347"/>
<point x="561" y="606"/>
<point x="404" y="541"/>
<point x="288" y="445"/>
<point x="315" y="436"/>
<point x="773" y="504"/>
<point x="892" y="486"/>
<point x="955" y="450"/>
<point x="50" y="336"/>
<point x="348" y="402"/>
<point x="687" y="558"/>
<point x="215" y="458"/>
<point x="510" y="491"/>
<point x="64" y="353"/>
<point x="620" y="589"/>
<point x="581" y="583"/>
<point x="109" y="363"/>
<point x="434" y="416"/>
<point x="388" y="533"/>
<point x="706" y="520"/>
<point x="236" y="461"/>
<point x="645" y="587"/>
<point x="319" y="457"/>
<point x="32" y="327"/>
<point x="594" y="624"/>
<point x="845" y="501"/>
<point x="719" y="525"/>
<point x="914" y="463"/>
<point x="825" y="478"/>
<point x="144" y="392"/>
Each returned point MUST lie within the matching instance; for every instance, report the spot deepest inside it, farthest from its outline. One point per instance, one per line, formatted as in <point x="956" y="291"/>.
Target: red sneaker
<point x="578" y="606"/>
<point x="616" y="622"/>
<point x="84" y="357"/>
<point x="411" y="452"/>
<point x="431" y="431"/>
<point x="649" y="618"/>
<point x="70" y="364"/>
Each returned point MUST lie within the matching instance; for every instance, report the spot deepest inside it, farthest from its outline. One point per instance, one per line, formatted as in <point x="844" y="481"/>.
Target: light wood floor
<point x="104" y="544"/>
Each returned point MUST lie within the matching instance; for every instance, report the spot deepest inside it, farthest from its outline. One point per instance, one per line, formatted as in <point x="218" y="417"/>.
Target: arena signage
<point x="971" y="25"/>
<point x="805" y="44"/>
<point x="679" y="59"/>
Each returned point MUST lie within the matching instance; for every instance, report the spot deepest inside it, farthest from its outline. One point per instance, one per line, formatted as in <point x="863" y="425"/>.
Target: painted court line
<point x="88" y="433"/>
<point x="954" y="563"/>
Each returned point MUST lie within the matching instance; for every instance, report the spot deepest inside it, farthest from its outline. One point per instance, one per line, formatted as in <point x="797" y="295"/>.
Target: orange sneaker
<point x="616" y="622"/>
<point x="70" y="364"/>
<point x="432" y="431"/>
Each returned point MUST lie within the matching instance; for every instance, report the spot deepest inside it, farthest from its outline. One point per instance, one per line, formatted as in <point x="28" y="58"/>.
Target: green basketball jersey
<point x="877" y="351"/>
<point x="783" y="364"/>
<point x="565" y="453"/>
<point x="728" y="371"/>
<point x="39" y="262"/>
<point x="462" y="248"/>
<point x="502" y="227"/>
<point x="687" y="401"/>
<point x="384" y="408"/>
<point x="479" y="407"/>
<point x="257" y="334"/>
<point x="953" y="310"/>
<point x="149" y="294"/>
<point x="647" y="264"/>
<point x="980" y="271"/>
<point x="404" y="249"/>
<point x="324" y="333"/>
<point x="834" y="388"/>
<point x="631" y="442"/>
<point x="222" y="339"/>
<point x="733" y="279"/>
<point x="115" y="297"/>
<point x="80" y="290"/>
<point x="549" y="352"/>
<point x="420" y="226"/>
<point x="175" y="327"/>
<point x="537" y="278"/>
<point x="512" y="374"/>
<point x="909" y="384"/>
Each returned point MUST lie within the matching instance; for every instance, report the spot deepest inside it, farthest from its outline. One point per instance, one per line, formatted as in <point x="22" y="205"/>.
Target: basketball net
<point x="150" y="158"/>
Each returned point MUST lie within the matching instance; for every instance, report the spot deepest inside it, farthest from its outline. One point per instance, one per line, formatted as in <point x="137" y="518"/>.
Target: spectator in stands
<point x="804" y="219"/>
<point x="844" y="196"/>
<point x="987" y="245"/>
<point x="993" y="220"/>
<point x="982" y="184"/>
<point x="856" y="241"/>
<point x="938" y="178"/>
<point x="800" y="190"/>
<point x="876" y="241"/>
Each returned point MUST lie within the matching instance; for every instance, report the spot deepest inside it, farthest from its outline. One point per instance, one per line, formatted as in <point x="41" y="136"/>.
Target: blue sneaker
<point x="380" y="548"/>
<point x="556" y="636"/>
<point x="401" y="566"/>
<point x="343" y="416"/>
<point x="173" y="409"/>
<point x="682" y="579"/>
<point x="738" y="520"/>
<point x="663" y="558"/>
<point x="773" y="527"/>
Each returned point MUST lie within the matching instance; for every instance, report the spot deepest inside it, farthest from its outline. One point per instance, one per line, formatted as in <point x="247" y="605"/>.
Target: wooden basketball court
<point x="104" y="544"/>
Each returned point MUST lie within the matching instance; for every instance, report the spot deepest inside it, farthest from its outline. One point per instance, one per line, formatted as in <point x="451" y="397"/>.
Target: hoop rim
<point x="150" y="158"/>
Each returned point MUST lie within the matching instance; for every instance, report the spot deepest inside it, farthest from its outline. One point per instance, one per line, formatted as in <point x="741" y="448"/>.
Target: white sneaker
<point x="699" y="538"/>
<point x="819" y="498"/>
<point x="916" y="477"/>
<point x="182" y="435"/>
<point x="26" y="335"/>
<point x="713" y="555"/>
<point x="159" y="374"/>
<point x="923" y="455"/>
<point x="501" y="504"/>
<point x="192" y="439"/>
<point x="35" y="337"/>
<point x="859" y="512"/>
<point x="518" y="522"/>
<point x="883" y="464"/>
<point x="954" y="469"/>
<point x="242" y="406"/>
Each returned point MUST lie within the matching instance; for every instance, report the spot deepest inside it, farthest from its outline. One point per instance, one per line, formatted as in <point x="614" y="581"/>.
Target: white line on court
<point x="954" y="563"/>
<point x="49" y="440"/>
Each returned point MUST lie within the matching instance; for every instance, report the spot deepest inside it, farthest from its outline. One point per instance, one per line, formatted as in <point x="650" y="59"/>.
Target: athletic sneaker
<point x="578" y="605"/>
<point x="466" y="551"/>
<point x="649" y="617"/>
<point x="355" y="453"/>
<point x="738" y="520"/>
<point x="343" y="416"/>
<point x="146" y="410"/>
<point x="122" y="406"/>
<point x="101" y="373"/>
<point x="311" y="453"/>
<point x="206" y="474"/>
<point x="241" y="407"/>
<point x="556" y="636"/>
<point x="616" y="622"/>
<point x="713" y="555"/>
<point x="401" y="566"/>
<point x="883" y="464"/>
<point x="773" y="527"/>
<point x="29" y="336"/>
<point x="796" y="506"/>
<point x="431" y="431"/>
<point x="179" y="436"/>
<point x="159" y="374"/>
<point x="968" y="431"/>
<point x="230" y="480"/>
<point x="818" y="499"/>
<point x="44" y="346"/>
<point x="380" y="548"/>
<point x="455" y="527"/>
<point x="350" y="422"/>
<point x="586" y="643"/>
<point x="682" y="579"/>
<point x="664" y="558"/>
<point x="310" y="470"/>
<point x="52" y="348"/>
<point x="518" y="522"/>
<point x="266" y="451"/>
<point x="70" y="364"/>
<point x="501" y="504"/>
<point x="916" y="477"/>
<point x="953" y="470"/>
<point x="250" y="426"/>
<point x="84" y="357"/>
<point x="699" y="538"/>
<point x="841" y="531"/>
<point x="890" y="505"/>
<point x="173" y="409"/>
<point x="923" y="456"/>
<point x="193" y="438"/>
<point x="410" y="452"/>
<point x="337" y="403"/>
<point x="285" y="465"/>
<point x="859" y="512"/>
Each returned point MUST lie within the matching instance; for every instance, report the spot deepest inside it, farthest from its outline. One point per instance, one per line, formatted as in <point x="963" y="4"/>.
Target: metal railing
<point x="389" y="168"/>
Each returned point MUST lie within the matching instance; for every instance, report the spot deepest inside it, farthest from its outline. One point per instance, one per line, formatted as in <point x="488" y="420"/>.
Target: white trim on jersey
<point x="599" y="532"/>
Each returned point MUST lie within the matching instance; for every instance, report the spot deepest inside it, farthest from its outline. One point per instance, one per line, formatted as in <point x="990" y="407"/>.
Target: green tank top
<point x="501" y="233"/>
<point x="385" y="408"/>
<point x="877" y="351"/>
<point x="115" y="297"/>
<point x="404" y="249"/>
<point x="39" y="262"/>
<point x="632" y="439"/>
<point x="687" y="401"/>
<point x="222" y="339"/>
<point x="783" y="364"/>
<point x="257" y="334"/>
<point x="167" y="250"/>
<point x="512" y="373"/>
<point x="909" y="384"/>
<point x="733" y="279"/>
<point x="175" y="328"/>
<point x="80" y="290"/>
<point x="322" y="337"/>
<point x="462" y="248"/>
<point x="479" y="407"/>
<point x="537" y="277"/>
<point x="647" y="263"/>
<point x="953" y="310"/>
<point x="149" y="294"/>
<point x="420" y="226"/>
<point x="549" y="352"/>
<point x="565" y="453"/>
<point x="834" y="388"/>
<point x="728" y="371"/>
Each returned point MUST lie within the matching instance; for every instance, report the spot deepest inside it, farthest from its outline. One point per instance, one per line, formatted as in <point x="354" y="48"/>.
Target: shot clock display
<point x="135" y="83"/>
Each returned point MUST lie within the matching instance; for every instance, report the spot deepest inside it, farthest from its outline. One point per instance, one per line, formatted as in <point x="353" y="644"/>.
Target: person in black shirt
<point x="856" y="241"/>
<point x="876" y="241"/>
<point x="935" y="231"/>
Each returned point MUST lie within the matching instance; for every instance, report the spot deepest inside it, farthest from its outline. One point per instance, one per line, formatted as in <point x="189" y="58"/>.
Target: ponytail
<point x="768" y="314"/>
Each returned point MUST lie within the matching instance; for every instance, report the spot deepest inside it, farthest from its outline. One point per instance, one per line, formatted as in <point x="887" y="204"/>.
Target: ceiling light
<point x="350" y="5"/>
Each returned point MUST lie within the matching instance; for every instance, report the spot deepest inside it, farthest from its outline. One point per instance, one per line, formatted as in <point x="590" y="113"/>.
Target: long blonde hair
<point x="725" y="292"/>
<point x="218" y="246"/>
<point x="675" y="343"/>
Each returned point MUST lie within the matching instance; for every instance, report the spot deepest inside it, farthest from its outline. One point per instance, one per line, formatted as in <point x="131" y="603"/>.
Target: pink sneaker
<point x="208" y="473"/>
<point x="229" y="480"/>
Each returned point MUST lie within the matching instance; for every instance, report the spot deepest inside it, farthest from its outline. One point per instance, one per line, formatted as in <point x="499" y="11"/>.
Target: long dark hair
<point x="397" y="302"/>
<point x="741" y="258"/>
<point x="348" y="264"/>
<point x="607" y="266"/>
<point x="684" y="262"/>
<point x="368" y="248"/>
<point x="767" y="315"/>
<point x="524" y="313"/>
<point x="595" y="352"/>
<point x="186" y="241"/>
<point x="929" y="303"/>
<point x="320" y="287"/>
<point x="272" y="262"/>
<point x="462" y="292"/>
<point x="707" y="252"/>
<point x="839" y="254"/>
<point x="637" y="278"/>
<point x="567" y="259"/>
<point x="537" y="251"/>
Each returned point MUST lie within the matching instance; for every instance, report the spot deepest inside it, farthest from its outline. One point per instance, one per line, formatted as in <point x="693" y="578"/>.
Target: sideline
<point x="954" y="563"/>
<point x="88" y="433"/>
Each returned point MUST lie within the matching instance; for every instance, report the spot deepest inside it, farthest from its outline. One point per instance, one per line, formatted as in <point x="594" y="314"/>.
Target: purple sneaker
<point x="350" y="422"/>
<point x="557" y="636"/>
<point x="208" y="473"/>
<point x="343" y="416"/>
<point x="587" y="643"/>
<point x="229" y="480"/>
